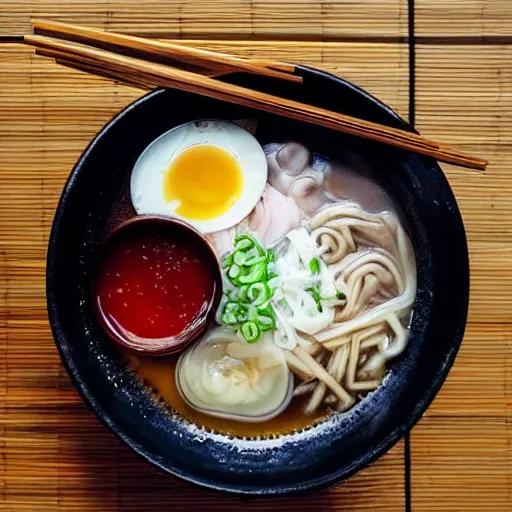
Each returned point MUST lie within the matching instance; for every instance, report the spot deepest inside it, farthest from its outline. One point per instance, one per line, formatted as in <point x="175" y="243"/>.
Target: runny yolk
<point x="205" y="181"/>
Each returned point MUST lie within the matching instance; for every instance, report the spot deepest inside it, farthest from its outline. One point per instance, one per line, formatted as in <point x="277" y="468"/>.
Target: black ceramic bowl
<point x="321" y="455"/>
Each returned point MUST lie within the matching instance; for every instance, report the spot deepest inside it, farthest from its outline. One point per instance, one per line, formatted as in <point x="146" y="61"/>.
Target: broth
<point x="159" y="374"/>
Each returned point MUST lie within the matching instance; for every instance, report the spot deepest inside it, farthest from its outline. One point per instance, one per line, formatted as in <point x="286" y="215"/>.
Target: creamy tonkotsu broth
<point x="318" y="286"/>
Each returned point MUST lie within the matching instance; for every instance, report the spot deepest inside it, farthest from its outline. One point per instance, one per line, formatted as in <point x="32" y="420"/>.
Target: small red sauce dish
<point x="156" y="285"/>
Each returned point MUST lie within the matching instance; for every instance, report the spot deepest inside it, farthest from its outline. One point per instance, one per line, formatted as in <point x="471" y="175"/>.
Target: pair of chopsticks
<point x="207" y="63"/>
<point x="148" y="63"/>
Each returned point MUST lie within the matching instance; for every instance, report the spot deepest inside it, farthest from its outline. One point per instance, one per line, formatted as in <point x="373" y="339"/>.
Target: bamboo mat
<point x="234" y="19"/>
<point x="475" y="18"/>
<point x="54" y="453"/>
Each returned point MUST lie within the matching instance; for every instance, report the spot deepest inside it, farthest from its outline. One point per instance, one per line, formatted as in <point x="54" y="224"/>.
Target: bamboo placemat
<point x="54" y="453"/>
<point x="233" y="19"/>
<point x="464" y="18"/>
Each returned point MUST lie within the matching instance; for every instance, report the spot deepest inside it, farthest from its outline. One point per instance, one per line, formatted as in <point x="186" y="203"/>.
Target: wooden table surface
<point x="445" y="64"/>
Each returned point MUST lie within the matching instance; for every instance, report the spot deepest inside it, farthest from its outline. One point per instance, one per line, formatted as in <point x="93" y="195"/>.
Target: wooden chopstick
<point x="61" y="56"/>
<point x="195" y="56"/>
<point x="167" y="76"/>
<point x="84" y="66"/>
<point x="273" y="64"/>
<point x="113" y="75"/>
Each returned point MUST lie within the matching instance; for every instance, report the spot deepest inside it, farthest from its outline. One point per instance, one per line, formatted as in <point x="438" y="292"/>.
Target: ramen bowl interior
<point x="172" y="426"/>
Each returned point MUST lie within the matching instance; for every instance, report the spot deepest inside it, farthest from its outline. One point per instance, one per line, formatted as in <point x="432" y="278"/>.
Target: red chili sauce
<point x="153" y="282"/>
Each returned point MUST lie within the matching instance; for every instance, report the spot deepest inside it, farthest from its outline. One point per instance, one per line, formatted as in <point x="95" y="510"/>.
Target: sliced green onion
<point x="252" y="253"/>
<point x="254" y="261"/>
<point x="240" y="258"/>
<point x="258" y="293"/>
<point x="266" y="309"/>
<point x="242" y="317"/>
<point x="250" y="332"/>
<point x="316" y="296"/>
<point x="227" y="261"/>
<point x="231" y="307"/>
<point x="265" y="323"/>
<point x="254" y="292"/>
<point x="233" y="271"/>
<point x="242" y="294"/>
<point x="251" y="239"/>
<point x="243" y="244"/>
<point x="314" y="266"/>
<point x="256" y="274"/>
<point x="266" y="317"/>
<point x="248" y="270"/>
<point x="252" y="313"/>
<point x="228" y="318"/>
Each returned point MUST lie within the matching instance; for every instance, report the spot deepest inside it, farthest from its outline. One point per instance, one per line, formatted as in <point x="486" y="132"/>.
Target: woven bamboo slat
<point x="461" y="464"/>
<point x="270" y="19"/>
<point x="463" y="95"/>
<point x="478" y="383"/>
<point x="460" y="452"/>
<point x="84" y="467"/>
<point x="464" y="18"/>
<point x="490" y="190"/>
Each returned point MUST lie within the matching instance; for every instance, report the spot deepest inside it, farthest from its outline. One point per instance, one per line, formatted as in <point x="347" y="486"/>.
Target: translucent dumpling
<point x="224" y="376"/>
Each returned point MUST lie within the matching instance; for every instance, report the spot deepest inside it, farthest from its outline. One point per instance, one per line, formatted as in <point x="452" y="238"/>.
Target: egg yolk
<point x="205" y="181"/>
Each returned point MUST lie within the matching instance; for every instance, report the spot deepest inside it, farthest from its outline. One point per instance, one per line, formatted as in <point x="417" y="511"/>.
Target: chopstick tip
<point x="36" y="21"/>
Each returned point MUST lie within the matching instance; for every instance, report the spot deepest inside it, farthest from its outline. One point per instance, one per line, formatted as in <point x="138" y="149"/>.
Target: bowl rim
<point x="315" y="483"/>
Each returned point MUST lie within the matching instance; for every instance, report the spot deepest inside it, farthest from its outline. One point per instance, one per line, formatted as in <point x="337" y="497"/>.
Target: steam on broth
<point x="318" y="285"/>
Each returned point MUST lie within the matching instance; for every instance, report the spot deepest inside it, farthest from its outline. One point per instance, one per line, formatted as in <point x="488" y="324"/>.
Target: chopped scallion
<point x="250" y="332"/>
<point x="314" y="266"/>
<point x="247" y="308"/>
<point x="239" y="258"/>
<point x="233" y="271"/>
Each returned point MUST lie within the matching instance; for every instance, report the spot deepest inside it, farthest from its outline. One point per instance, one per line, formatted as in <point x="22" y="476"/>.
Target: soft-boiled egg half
<point x="210" y="173"/>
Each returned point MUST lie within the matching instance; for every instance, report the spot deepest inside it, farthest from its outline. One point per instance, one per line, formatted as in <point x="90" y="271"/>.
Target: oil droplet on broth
<point x="205" y="180"/>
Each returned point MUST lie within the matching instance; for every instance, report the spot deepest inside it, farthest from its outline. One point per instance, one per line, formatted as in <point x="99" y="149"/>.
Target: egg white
<point x="146" y="184"/>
